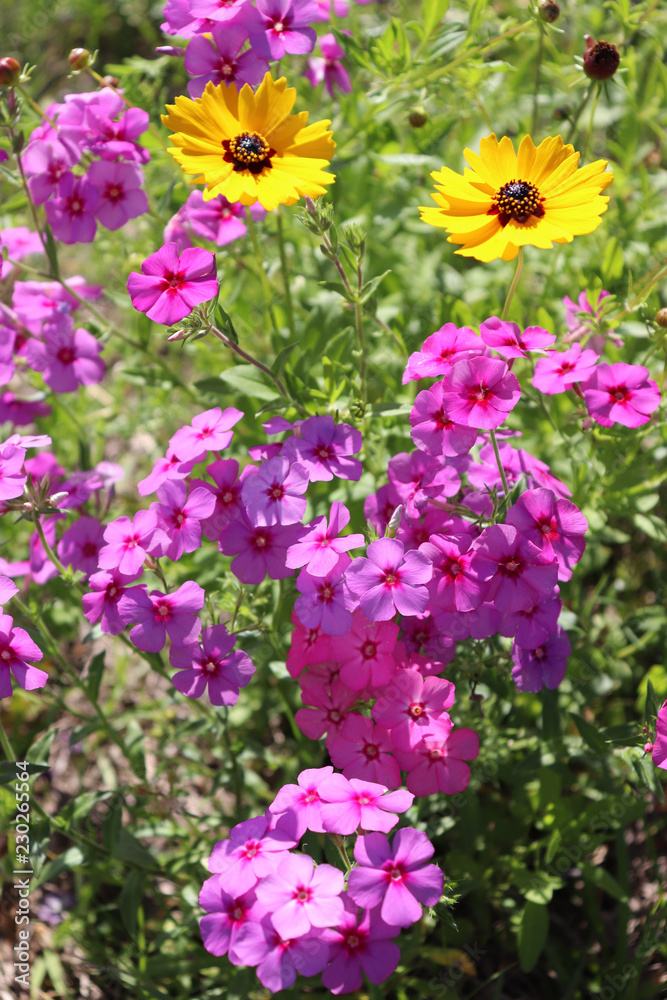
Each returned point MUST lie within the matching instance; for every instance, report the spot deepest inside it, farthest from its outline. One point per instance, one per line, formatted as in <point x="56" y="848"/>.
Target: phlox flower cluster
<point x="272" y="908"/>
<point x="659" y="747"/>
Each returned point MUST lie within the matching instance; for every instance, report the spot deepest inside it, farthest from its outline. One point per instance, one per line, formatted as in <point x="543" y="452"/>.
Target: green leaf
<point x="533" y="931"/>
<point x="433" y="12"/>
<point x="552" y="847"/>
<point x="51" y="251"/>
<point x="249" y="381"/>
<point x="371" y="285"/>
<point x="130" y="900"/>
<point x="132" y="851"/>
<point x="95" y="671"/>
<point x="336" y="286"/>
<point x="281" y="360"/>
<point x="8" y="770"/>
<point x="535" y="886"/>
<point x="589" y="734"/>
<point x="224" y="323"/>
<point x="72" y="858"/>
<point x="601" y="878"/>
<point x="134" y="740"/>
<point x="652" y="703"/>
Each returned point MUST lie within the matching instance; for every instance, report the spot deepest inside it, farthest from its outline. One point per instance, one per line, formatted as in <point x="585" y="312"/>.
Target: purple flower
<point x="179" y="516"/>
<point x="274" y="494"/>
<point x="67" y="357"/>
<point x="128" y="542"/>
<point x="441" y="350"/>
<point x="559" y="371"/>
<point x="390" y="580"/>
<point x="113" y="139"/>
<point x="415" y="708"/>
<point x="480" y="392"/>
<point x="46" y="163"/>
<point x="507" y="340"/>
<point x="532" y="627"/>
<point x="71" y="214"/>
<point x="80" y="545"/>
<point x="285" y="23"/>
<point x="324" y="447"/>
<point x="169" y="467"/>
<point x="7" y="590"/>
<point x="454" y="585"/>
<point x="356" y="944"/>
<point x="219" y="10"/>
<point x="553" y="524"/>
<point x="169" y="286"/>
<point x="217" y="58"/>
<point x="579" y="329"/>
<point x="226" y="492"/>
<point x="225" y="916"/>
<point x="12" y="474"/>
<point x="300" y="896"/>
<point x="437" y="764"/>
<point x="213" y="664"/>
<point x="320" y="548"/>
<point x="209" y="431"/>
<point x="325" y="600"/>
<point x="659" y="749"/>
<point x="517" y="573"/>
<point x="349" y="805"/>
<point x="544" y="666"/>
<point x="17" y="650"/>
<point x="250" y="854"/>
<point x="279" y="960"/>
<point x="433" y="431"/>
<point x="119" y="187"/>
<point x="160" y="615"/>
<point x="398" y="877"/>
<point x="330" y="68"/>
<point x="621" y="394"/>
<point x="217" y="220"/>
<point x="298" y="808"/>
<point x="365" y="653"/>
<point x="259" y="550"/>
<point x="364" y="750"/>
<point x="107" y="588"/>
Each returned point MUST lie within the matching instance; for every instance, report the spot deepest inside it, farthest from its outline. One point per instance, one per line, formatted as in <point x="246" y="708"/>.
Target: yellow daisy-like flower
<point x="247" y="146"/>
<point x="507" y="200"/>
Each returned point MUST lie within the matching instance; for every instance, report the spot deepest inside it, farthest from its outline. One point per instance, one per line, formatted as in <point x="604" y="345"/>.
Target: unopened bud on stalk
<point x="562" y="112"/>
<point x="648" y="747"/>
<point x="418" y="117"/>
<point x="79" y="59"/>
<point x="178" y="335"/>
<point x="170" y="50"/>
<point x="55" y="498"/>
<point x="601" y="59"/>
<point x="110" y="81"/>
<point x="661" y="318"/>
<point x="394" y="522"/>
<point x="311" y="208"/>
<point x="10" y="72"/>
<point x="549" y="11"/>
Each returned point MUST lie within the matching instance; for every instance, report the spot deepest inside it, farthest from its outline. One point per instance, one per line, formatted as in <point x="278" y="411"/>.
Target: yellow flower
<point x="507" y="200"/>
<point x="248" y="147"/>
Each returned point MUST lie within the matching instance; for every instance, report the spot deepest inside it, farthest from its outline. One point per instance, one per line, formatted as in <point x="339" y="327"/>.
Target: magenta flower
<point x="364" y="750"/>
<point x="433" y="431"/>
<point x="209" y="431"/>
<point x="532" y="627"/>
<point x="300" y="896"/>
<point x="348" y="805"/>
<point x="107" y="588"/>
<point x="250" y="854"/>
<point x="319" y="550"/>
<point x="298" y="808"/>
<point x="20" y="242"/>
<point x="480" y="392"/>
<point x="128" y="542"/>
<point x="454" y="585"/>
<point x="226" y="493"/>
<point x="390" y="580"/>
<point x="67" y="357"/>
<point x="325" y="600"/>
<point x="507" y="340"/>
<point x="119" y="186"/>
<point x="46" y="163"/>
<point x="324" y="447"/>
<point x="179" y="516"/>
<point x="169" y="286"/>
<point x="365" y="653"/>
<point x="356" y="944"/>
<point x="329" y="709"/>
<point x="516" y="572"/>
<point x="225" y="916"/>
<point x="578" y="329"/>
<point x="437" y="765"/>
<point x="416" y="477"/>
<point x="396" y="877"/>
<point x="159" y="615"/>
<point x="217" y="220"/>
<point x="225" y="11"/>
<point x="553" y="524"/>
<point x="17" y="652"/>
<point x="329" y="68"/>
<point x="559" y="371"/>
<point x="71" y="214"/>
<point x="414" y="708"/>
<point x="307" y="645"/>
<point x="260" y="550"/>
<point x="621" y="394"/>
<point x="7" y="590"/>
<point x="544" y="666"/>
<point x="217" y="58"/>
<point x="659" y="751"/>
<point x="21" y="411"/>
<point x="169" y="467"/>
<point x="12" y="474"/>
<point x="441" y="350"/>
<point x="80" y="545"/>
<point x="274" y="494"/>
<point x="213" y="663"/>
<point x="286" y="26"/>
<point x="278" y="961"/>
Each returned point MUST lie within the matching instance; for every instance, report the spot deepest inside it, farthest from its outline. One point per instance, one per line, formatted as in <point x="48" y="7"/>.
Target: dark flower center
<point x="518" y="200"/>
<point x="248" y="151"/>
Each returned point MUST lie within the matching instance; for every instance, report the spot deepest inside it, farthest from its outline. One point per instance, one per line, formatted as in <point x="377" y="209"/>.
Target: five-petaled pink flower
<point x="621" y="394"/>
<point x="128" y="542"/>
<point x="390" y="580"/>
<point x="17" y="651"/>
<point x="214" y="664"/>
<point x="160" y="615"/>
<point x="480" y="392"/>
<point x="169" y="286"/>
<point x="300" y="896"/>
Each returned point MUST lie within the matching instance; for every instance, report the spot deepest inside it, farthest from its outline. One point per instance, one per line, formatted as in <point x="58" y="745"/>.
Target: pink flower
<point x="579" y="329"/>
<point x="17" y="651"/>
<point x="71" y="214"/>
<point x="621" y="394"/>
<point x="341" y="9"/>
<point x="348" y="805"/>
<point x="20" y="242"/>
<point x="441" y="350"/>
<point x="12" y="474"/>
<point x="307" y="645"/>
<point x="544" y="666"/>
<point x="285" y="24"/>
<point x="365" y="652"/>
<point x="414" y="708"/>
<point x="319" y="550"/>
<point x="225" y="916"/>
<point x="128" y="542"/>
<point x="67" y="357"/>
<point x="217" y="58"/>
<point x="217" y="220"/>
<point x="433" y="431"/>
<point x="659" y="749"/>
<point x="278" y="960"/>
<point x="260" y="550"/>
<point x="554" y="525"/>
<point x="46" y="163"/>
<point x="107" y="588"/>
<point x="209" y="431"/>
<point x="329" y="710"/>
<point x="437" y="765"/>
<point x="390" y="580"/>
<point x="300" y="896"/>
<point x="507" y="340"/>
<point x="213" y="664"/>
<point x="532" y="626"/>
<point x="169" y="286"/>
<point x="119" y="187"/>
<point x="160" y="615"/>
<point x="356" y="944"/>
<point x="516" y="572"/>
<point x="324" y="447"/>
<point x="217" y="10"/>
<point x="325" y="600"/>
<point x="170" y="467"/>
<point x="363" y="750"/>
<point x="179" y="516"/>
<point x="250" y="854"/>
<point x="396" y="877"/>
<point x="298" y="808"/>
<point x="80" y="545"/>
<point x="329" y="68"/>
<point x="480" y="392"/>
<point x="7" y="590"/>
<point x="21" y="411"/>
<point x="416" y="477"/>
<point x="226" y="492"/>
<point x="559" y="371"/>
<point x="274" y="494"/>
<point x="454" y="585"/>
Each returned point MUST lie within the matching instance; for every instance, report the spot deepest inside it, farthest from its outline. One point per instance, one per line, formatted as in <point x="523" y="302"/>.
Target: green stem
<point x="268" y="296"/>
<point x="276" y="379"/>
<point x="513" y="286"/>
<point x="6" y="745"/>
<point x="359" y="322"/>
<point x="339" y="844"/>
<point x="589" y="130"/>
<point x="35" y="106"/>
<point x="492" y="435"/>
<point x="283" y="267"/>
<point x="577" y="113"/>
<point x="540" y="52"/>
<point x="45" y="545"/>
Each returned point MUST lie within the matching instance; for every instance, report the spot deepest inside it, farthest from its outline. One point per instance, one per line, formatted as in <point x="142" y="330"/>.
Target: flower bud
<point x="79" y="59"/>
<point x="648" y="747"/>
<point x="562" y="112"/>
<point x="10" y="72"/>
<point x="418" y="117"/>
<point x="170" y="50"/>
<point x="110" y="81"/>
<point x="601" y="59"/>
<point x="549" y="11"/>
<point x="661" y="317"/>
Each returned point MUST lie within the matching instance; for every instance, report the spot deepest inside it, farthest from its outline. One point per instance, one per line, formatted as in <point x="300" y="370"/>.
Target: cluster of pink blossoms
<point x="275" y="910"/>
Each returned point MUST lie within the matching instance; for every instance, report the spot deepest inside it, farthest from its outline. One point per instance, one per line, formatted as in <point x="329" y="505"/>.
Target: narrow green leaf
<point x="589" y="734"/>
<point x="281" y="360"/>
<point x="248" y="380"/>
<point x="51" y="252"/>
<point x="95" y="671"/>
<point x="533" y="932"/>
<point x="8" y="770"/>
<point x="433" y="12"/>
<point x="130" y="900"/>
<point x="604" y="880"/>
<point x="371" y="285"/>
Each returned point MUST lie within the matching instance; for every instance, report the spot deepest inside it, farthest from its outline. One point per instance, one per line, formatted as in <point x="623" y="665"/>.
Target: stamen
<point x="248" y="151"/>
<point x="518" y="200"/>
